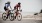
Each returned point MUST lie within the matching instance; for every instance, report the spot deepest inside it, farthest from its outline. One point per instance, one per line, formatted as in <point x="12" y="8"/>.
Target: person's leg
<point x="6" y="10"/>
<point x="15" y="10"/>
<point x="16" y="14"/>
<point x="7" y="14"/>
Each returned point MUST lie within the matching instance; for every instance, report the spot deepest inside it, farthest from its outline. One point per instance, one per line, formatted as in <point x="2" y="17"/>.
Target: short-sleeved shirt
<point x="17" y="7"/>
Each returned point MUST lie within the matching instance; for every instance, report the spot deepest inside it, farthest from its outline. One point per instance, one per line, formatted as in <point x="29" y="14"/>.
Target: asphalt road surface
<point x="22" y="21"/>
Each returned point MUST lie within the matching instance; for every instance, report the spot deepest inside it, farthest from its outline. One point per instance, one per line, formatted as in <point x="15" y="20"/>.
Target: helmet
<point x="19" y="3"/>
<point x="8" y="2"/>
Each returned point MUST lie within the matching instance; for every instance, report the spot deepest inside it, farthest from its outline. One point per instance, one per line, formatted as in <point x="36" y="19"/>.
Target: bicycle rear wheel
<point x="4" y="15"/>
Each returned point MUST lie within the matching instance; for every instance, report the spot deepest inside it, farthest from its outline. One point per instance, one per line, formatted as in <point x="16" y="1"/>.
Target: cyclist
<point x="41" y="11"/>
<point x="18" y="6"/>
<point x="6" y="8"/>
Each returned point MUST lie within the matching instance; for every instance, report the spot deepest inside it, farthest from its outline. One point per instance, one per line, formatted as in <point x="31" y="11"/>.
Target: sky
<point x="26" y="5"/>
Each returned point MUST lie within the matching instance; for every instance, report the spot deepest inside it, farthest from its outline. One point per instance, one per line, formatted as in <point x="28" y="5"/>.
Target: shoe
<point x="6" y="17"/>
<point x="15" y="17"/>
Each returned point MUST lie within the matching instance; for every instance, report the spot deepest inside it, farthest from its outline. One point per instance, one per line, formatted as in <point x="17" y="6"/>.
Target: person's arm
<point x="19" y="7"/>
<point x="10" y="7"/>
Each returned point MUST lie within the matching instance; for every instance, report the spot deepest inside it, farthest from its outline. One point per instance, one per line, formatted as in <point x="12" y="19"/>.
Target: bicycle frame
<point x="17" y="12"/>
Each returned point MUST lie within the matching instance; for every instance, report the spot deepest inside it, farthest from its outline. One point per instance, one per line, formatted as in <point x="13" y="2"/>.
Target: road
<point x="22" y="21"/>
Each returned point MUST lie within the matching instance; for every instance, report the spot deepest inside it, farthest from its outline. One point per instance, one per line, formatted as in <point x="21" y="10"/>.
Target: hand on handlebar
<point x="20" y="10"/>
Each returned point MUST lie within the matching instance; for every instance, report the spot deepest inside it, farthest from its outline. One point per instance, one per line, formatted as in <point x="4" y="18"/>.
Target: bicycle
<point x="11" y="15"/>
<point x="19" y="15"/>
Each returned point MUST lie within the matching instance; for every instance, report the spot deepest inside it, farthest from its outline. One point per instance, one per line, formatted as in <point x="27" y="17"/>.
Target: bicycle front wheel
<point x="19" y="17"/>
<point x="11" y="17"/>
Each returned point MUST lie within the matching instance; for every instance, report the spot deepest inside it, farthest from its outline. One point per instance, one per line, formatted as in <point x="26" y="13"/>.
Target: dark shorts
<point x="5" y="8"/>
